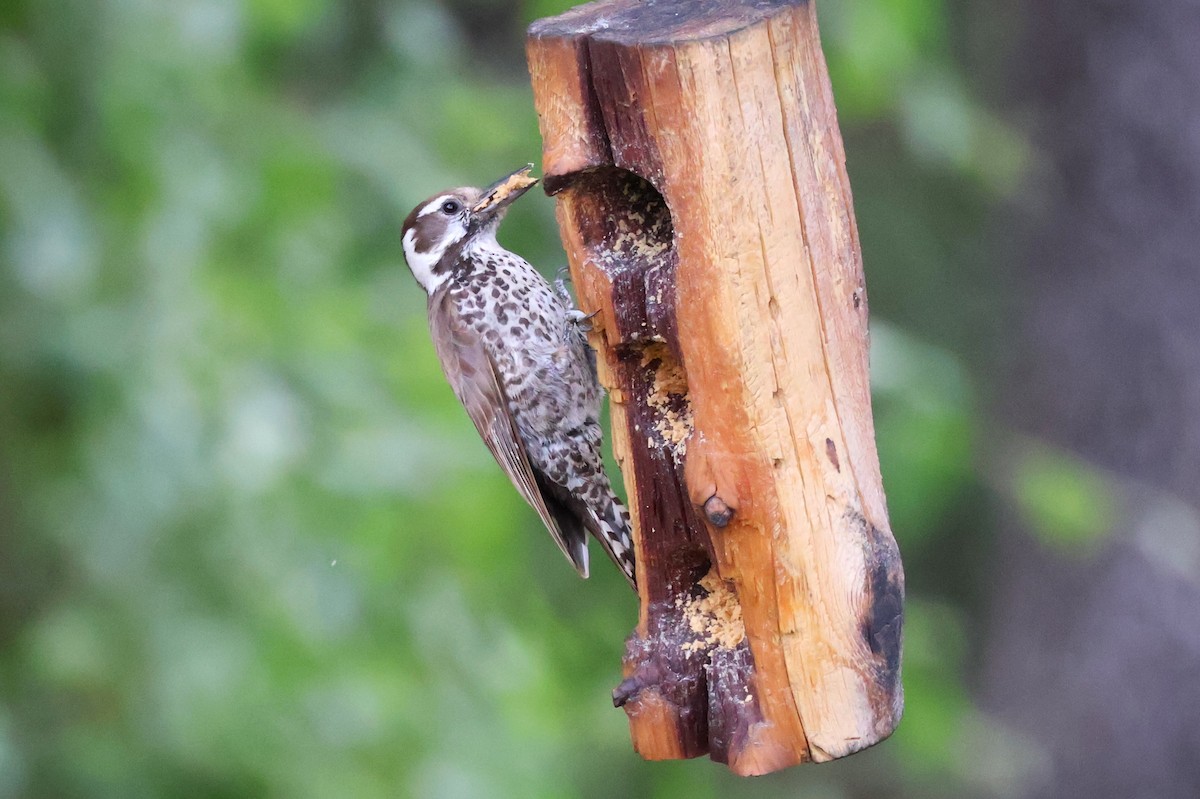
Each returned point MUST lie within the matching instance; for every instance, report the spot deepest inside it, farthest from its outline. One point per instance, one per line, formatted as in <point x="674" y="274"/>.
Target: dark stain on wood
<point x="831" y="453"/>
<point x="594" y="116"/>
<point x="626" y="229"/>
<point x="882" y="624"/>
<point x="733" y="710"/>
<point x="658" y="664"/>
<point x="616" y="75"/>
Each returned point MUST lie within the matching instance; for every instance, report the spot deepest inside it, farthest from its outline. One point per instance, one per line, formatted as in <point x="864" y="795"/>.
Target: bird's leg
<point x="581" y="320"/>
<point x="575" y="316"/>
<point x="560" y="286"/>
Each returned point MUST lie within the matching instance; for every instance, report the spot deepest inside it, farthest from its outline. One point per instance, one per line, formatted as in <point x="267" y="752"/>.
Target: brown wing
<point x="473" y="376"/>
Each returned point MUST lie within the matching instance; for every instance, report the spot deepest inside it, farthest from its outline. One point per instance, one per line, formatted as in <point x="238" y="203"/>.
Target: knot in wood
<point x="717" y="512"/>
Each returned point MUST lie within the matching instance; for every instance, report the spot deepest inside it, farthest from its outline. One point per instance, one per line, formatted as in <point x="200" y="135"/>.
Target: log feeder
<point x="693" y="149"/>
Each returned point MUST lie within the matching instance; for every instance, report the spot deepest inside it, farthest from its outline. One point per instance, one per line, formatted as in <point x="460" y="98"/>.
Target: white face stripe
<point x="435" y="204"/>
<point x="422" y="263"/>
<point x="454" y="230"/>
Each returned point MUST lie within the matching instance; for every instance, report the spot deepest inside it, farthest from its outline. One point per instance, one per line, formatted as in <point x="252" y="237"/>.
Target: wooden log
<point x="702" y="196"/>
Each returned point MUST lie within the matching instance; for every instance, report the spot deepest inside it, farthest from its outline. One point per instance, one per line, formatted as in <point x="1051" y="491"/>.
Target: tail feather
<point x="572" y="525"/>
<point x="610" y="524"/>
<point x="607" y="520"/>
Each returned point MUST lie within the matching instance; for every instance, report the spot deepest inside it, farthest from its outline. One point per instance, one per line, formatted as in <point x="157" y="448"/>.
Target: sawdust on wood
<point x="668" y="396"/>
<point x="715" y="617"/>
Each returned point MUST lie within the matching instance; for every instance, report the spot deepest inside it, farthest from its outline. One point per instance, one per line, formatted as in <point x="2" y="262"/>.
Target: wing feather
<point x="474" y="377"/>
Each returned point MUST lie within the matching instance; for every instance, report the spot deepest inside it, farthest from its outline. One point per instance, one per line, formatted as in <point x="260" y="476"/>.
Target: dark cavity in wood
<point x="625" y="227"/>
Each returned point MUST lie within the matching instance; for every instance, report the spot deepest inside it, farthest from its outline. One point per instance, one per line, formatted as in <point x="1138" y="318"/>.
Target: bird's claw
<point x="561" y="277"/>
<point x="576" y="317"/>
<point x="581" y="320"/>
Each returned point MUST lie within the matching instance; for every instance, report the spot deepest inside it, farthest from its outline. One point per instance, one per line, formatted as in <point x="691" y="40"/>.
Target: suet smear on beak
<point x="507" y="189"/>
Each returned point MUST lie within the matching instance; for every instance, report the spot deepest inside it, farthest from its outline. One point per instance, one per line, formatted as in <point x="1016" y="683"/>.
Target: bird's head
<point x="450" y="220"/>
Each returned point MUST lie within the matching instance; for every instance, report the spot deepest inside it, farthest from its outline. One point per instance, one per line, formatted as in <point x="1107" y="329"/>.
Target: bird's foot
<point x="581" y="320"/>
<point x="561" y="278"/>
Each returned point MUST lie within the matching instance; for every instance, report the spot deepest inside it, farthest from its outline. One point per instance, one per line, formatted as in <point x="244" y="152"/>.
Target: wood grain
<point x="703" y="200"/>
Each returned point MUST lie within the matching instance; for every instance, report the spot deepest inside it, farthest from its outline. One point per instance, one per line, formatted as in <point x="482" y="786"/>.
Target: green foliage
<point x="251" y="545"/>
<point x="1066" y="503"/>
<point x="892" y="58"/>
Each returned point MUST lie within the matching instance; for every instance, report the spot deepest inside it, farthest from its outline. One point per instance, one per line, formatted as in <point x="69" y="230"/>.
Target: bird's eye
<point x="451" y="207"/>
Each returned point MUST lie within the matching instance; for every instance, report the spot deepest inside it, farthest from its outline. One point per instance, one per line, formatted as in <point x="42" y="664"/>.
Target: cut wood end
<point x="673" y="21"/>
<point x="654" y="728"/>
<point x="763" y="755"/>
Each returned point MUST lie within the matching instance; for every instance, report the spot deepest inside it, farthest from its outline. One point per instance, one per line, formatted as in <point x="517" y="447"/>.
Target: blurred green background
<point x="250" y="546"/>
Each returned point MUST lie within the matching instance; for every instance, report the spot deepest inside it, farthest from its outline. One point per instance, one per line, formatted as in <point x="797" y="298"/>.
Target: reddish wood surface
<point x="704" y="205"/>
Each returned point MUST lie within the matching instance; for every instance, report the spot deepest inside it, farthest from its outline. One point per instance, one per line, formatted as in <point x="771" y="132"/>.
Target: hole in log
<point x="626" y="231"/>
<point x="624" y="226"/>
<point x="689" y="657"/>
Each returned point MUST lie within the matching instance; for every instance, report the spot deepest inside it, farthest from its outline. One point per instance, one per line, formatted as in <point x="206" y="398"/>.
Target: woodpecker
<point x="516" y="354"/>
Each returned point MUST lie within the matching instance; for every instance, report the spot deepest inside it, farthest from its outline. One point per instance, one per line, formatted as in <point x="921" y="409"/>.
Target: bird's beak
<point x="504" y="191"/>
